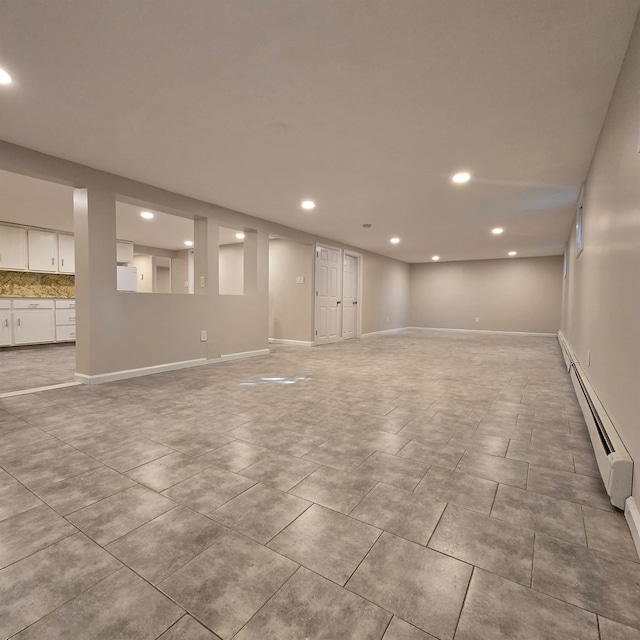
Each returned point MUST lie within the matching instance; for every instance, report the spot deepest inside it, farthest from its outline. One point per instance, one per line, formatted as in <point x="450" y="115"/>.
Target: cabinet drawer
<point x="33" y="303"/>
<point x="65" y="333"/>
<point x="69" y="303"/>
<point x="65" y="316"/>
<point x="5" y="303"/>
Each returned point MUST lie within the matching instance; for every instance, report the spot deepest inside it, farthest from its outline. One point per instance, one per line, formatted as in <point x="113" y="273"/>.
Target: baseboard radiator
<point x="614" y="462"/>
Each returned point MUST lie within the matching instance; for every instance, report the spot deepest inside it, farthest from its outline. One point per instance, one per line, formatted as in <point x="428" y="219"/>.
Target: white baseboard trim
<point x="136" y="373"/>
<point x="295" y="343"/>
<point x="62" y="385"/>
<point x="245" y="354"/>
<point x="504" y="333"/>
<point x="383" y="332"/>
<point x="632" y="515"/>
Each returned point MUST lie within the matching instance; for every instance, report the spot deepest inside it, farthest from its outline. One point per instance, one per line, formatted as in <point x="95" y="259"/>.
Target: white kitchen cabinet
<point x="66" y="254"/>
<point x="124" y="252"/>
<point x="33" y="321"/>
<point x="13" y="248"/>
<point x="43" y="250"/>
<point x="5" y="323"/>
<point x="65" y="320"/>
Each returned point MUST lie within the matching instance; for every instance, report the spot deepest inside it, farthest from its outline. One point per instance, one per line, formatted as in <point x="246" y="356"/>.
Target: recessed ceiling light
<point x="5" y="78"/>
<point x="461" y="178"/>
<point x="435" y="258"/>
<point x="513" y="253"/>
<point x="497" y="231"/>
<point x="308" y="204"/>
<point x="147" y="215"/>
<point x="240" y="236"/>
<point x="394" y="240"/>
<point x="188" y="243"/>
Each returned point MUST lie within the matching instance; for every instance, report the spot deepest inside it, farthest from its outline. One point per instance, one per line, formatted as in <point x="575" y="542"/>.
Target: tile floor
<point x="407" y="487"/>
<point x="36" y="366"/>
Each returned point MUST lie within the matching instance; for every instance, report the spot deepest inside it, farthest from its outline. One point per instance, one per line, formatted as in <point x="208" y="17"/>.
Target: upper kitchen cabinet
<point x="13" y="248"/>
<point x="124" y="252"/>
<point x="66" y="254"/>
<point x="43" y="251"/>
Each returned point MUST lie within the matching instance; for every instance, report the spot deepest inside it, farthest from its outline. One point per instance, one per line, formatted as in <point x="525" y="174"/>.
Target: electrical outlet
<point x="203" y="336"/>
<point x="477" y="319"/>
<point x="299" y="279"/>
<point x="202" y="281"/>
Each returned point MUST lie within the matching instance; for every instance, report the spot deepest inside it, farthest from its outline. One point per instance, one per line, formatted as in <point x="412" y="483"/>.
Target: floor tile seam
<point x="71" y="599"/>
<point x="464" y="601"/>
<point x="557" y="598"/>
<point x="93" y="457"/>
<point x="603" y="555"/>
<point x="209" y="513"/>
<point x="159" y="491"/>
<point x="227" y="532"/>
<point x="76" y="475"/>
<point x="135" y="485"/>
<point x="64" y="537"/>
<point x="573" y="501"/>
<point x="376" y="483"/>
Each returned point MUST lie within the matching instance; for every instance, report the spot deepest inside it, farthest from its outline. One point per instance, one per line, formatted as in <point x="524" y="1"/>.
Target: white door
<point x="66" y="254"/>
<point x="43" y="251"/>
<point x="5" y="327"/>
<point x="350" y="279"/>
<point x="328" y="294"/>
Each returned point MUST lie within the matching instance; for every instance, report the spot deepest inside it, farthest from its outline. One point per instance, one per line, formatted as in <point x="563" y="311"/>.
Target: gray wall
<point x="517" y="294"/>
<point x="121" y="331"/>
<point x="385" y="293"/>
<point x="601" y="300"/>
<point x="291" y="304"/>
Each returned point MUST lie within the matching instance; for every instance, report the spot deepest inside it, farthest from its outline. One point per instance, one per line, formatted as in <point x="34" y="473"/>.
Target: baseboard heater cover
<point x="614" y="462"/>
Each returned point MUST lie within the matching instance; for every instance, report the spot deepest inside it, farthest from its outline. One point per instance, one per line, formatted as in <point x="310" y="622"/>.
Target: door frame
<point x="358" y="257"/>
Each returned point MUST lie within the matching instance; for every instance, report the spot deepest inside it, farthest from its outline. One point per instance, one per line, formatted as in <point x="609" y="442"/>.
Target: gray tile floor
<point x="407" y="487"/>
<point x="36" y="366"/>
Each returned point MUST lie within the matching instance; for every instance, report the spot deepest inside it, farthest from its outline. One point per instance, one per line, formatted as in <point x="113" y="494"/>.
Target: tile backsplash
<point x="27" y="284"/>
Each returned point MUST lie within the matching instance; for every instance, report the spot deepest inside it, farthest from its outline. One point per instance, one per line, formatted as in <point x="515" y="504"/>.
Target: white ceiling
<point x="365" y="107"/>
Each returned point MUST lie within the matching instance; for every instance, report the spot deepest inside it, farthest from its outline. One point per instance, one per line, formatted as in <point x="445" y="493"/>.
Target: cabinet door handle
<point x="6" y="322"/>
<point x="53" y="261"/>
<point x="63" y="262"/>
<point x="18" y="323"/>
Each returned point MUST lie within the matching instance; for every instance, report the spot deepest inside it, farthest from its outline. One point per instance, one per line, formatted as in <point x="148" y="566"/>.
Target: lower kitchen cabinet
<point x="33" y="321"/>
<point x="5" y="327"/>
<point x="36" y="321"/>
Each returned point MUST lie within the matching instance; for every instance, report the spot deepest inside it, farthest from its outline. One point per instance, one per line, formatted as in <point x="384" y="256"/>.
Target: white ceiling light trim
<point x="435" y="258"/>
<point x="513" y="253"/>
<point x="147" y="215"/>
<point x="394" y="240"/>
<point x="5" y="78"/>
<point x="497" y="231"/>
<point x="308" y="204"/>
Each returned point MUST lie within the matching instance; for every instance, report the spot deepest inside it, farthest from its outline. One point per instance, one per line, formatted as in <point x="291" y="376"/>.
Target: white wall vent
<point x="614" y="462"/>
